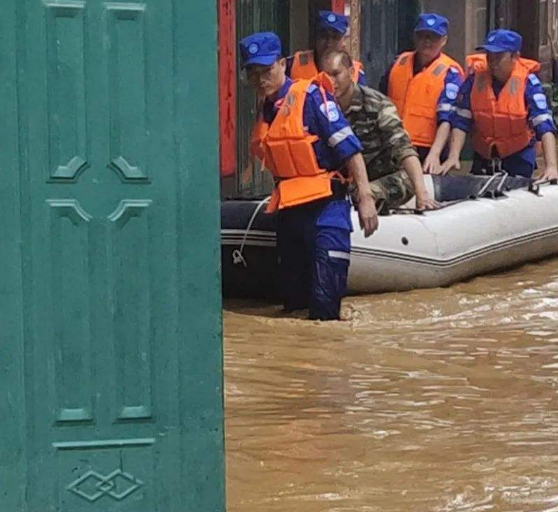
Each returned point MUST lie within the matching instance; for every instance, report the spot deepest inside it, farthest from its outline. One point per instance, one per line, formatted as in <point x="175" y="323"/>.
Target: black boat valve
<point x="535" y="189"/>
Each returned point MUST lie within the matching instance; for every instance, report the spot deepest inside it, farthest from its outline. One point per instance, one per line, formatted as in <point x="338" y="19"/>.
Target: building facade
<point x="536" y="20"/>
<point x="379" y="31"/>
<point x="293" y="20"/>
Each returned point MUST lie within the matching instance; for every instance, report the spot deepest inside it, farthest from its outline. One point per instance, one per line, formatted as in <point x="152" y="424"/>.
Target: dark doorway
<point x="387" y="30"/>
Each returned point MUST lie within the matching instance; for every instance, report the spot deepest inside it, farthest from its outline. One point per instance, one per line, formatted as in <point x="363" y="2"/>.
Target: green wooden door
<point x="111" y="326"/>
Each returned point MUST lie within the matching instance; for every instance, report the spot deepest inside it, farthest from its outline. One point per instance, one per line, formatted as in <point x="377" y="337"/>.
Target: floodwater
<point x="432" y="400"/>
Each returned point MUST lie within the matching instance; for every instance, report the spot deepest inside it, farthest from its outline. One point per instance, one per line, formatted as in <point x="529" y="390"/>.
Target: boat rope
<point x="486" y="186"/>
<point x="502" y="181"/>
<point x="496" y="166"/>
<point x="238" y="254"/>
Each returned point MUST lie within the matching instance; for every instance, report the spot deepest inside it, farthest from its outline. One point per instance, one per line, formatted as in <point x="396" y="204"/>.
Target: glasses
<point x="255" y="74"/>
<point x="425" y="35"/>
<point x="329" y="35"/>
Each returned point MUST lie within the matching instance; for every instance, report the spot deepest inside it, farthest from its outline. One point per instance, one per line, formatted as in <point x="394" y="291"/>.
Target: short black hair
<point x="346" y="58"/>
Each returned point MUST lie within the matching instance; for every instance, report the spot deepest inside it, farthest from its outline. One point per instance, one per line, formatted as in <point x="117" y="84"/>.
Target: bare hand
<point x="550" y="173"/>
<point x="425" y="202"/>
<point x="449" y="164"/>
<point x="367" y="214"/>
<point x="432" y="164"/>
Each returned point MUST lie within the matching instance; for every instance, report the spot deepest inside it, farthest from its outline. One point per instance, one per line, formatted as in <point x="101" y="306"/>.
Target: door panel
<point x="114" y="408"/>
<point x="125" y="28"/>
<point x="12" y="396"/>
<point x="66" y="90"/>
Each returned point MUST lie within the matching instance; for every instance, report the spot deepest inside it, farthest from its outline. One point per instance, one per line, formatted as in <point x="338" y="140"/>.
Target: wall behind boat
<point x="245" y="179"/>
<point x="536" y="20"/>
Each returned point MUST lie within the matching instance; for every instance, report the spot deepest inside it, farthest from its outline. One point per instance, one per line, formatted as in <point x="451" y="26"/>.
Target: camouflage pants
<point x="392" y="191"/>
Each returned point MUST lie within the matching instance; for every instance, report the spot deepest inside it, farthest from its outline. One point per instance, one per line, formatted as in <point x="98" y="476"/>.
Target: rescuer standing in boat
<point x="423" y="85"/>
<point x="503" y="105"/>
<point x="331" y="34"/>
<point x="309" y="147"/>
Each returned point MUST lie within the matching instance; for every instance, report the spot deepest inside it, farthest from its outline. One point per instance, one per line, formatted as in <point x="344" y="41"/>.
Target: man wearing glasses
<point x="305" y="142"/>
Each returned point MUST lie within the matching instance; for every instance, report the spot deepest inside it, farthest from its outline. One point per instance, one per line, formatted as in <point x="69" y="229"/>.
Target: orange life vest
<point x="416" y="96"/>
<point x="285" y="148"/>
<point x="501" y="126"/>
<point x="304" y="67"/>
<point x="475" y="62"/>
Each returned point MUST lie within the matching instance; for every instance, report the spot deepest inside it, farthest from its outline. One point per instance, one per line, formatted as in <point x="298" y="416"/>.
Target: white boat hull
<point x="441" y="247"/>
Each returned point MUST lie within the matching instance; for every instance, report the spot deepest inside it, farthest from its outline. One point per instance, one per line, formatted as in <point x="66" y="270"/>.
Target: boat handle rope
<point x="486" y="186"/>
<point x="238" y="254"/>
<point x="496" y="164"/>
<point x="502" y="181"/>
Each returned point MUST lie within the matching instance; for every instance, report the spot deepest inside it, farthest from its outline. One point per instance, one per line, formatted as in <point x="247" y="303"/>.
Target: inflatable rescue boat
<point x="410" y="249"/>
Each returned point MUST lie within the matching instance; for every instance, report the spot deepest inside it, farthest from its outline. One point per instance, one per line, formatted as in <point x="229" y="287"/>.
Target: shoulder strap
<point x="531" y="66"/>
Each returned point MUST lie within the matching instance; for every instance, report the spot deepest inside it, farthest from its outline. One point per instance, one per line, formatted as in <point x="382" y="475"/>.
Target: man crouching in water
<point x="392" y="163"/>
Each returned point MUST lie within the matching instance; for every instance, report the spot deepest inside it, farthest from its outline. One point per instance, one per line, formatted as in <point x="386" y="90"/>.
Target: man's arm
<point x="331" y="126"/>
<point x="403" y="154"/>
<point x="458" y="138"/>
<point x="432" y="164"/>
<point x="540" y="115"/>
<point x="462" y="124"/>
<point x="412" y="167"/>
<point x="444" y="109"/>
<point x="541" y="120"/>
<point x="367" y="214"/>
<point x="549" y="149"/>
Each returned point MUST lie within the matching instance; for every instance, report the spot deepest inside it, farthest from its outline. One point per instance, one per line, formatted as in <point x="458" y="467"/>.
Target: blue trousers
<point x="314" y="243"/>
<point x="522" y="164"/>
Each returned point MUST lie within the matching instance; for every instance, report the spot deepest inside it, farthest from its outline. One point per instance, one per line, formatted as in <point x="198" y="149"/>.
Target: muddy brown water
<point x="431" y="400"/>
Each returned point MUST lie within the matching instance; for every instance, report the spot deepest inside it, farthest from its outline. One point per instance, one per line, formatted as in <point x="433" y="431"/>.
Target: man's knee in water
<point x="329" y="273"/>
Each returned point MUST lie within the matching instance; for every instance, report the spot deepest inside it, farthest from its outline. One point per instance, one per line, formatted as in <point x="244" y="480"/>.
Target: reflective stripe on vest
<point x="416" y="96"/>
<point x="285" y="148"/>
<point x="501" y="126"/>
<point x="305" y="68"/>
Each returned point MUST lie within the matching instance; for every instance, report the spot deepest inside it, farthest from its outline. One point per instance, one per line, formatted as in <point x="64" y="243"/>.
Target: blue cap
<point x="328" y="20"/>
<point x="432" y="22"/>
<point x="263" y="48"/>
<point x="499" y="41"/>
